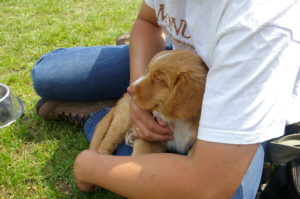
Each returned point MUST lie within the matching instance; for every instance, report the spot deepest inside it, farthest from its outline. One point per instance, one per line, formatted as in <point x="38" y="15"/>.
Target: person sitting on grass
<point x="252" y="51"/>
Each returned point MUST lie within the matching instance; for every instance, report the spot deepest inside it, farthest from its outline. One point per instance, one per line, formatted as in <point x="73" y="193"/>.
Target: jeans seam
<point x="93" y="116"/>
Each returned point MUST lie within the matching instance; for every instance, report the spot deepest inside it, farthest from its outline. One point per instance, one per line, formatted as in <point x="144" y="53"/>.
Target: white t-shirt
<point x="252" y="50"/>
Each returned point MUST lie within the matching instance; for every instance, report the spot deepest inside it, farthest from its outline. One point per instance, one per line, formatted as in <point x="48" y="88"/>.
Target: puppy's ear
<point x="185" y="100"/>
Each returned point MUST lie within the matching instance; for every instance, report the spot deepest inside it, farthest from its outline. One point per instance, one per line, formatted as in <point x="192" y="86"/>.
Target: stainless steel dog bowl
<point x="11" y="107"/>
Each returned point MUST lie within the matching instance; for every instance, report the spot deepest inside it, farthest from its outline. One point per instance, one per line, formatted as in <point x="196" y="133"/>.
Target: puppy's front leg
<point x="141" y="147"/>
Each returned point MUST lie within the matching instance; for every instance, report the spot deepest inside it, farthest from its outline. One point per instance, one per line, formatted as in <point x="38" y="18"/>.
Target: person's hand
<point x="146" y="127"/>
<point x="84" y="186"/>
<point x="80" y="170"/>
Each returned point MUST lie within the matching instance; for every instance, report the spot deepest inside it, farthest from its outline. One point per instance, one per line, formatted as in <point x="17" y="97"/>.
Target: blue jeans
<point x="102" y="72"/>
<point x="82" y="73"/>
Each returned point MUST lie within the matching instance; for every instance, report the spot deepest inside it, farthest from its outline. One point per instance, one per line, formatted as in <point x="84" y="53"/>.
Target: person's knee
<point x="39" y="75"/>
<point x="42" y="74"/>
<point x="35" y="78"/>
<point x="42" y="67"/>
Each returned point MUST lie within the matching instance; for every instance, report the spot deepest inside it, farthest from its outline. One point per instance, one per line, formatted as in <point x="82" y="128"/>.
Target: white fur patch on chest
<point x="184" y="138"/>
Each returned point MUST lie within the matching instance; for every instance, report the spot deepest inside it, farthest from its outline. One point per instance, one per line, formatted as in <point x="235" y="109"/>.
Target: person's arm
<point x="213" y="171"/>
<point x="145" y="41"/>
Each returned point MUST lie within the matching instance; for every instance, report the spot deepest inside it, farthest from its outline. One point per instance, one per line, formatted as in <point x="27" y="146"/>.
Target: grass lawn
<point x="36" y="156"/>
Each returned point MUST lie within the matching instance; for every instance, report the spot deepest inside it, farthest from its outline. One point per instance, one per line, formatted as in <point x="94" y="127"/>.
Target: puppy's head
<point x="173" y="85"/>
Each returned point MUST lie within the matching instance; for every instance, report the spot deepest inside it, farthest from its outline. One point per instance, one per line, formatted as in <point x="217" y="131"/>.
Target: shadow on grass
<point x="57" y="144"/>
<point x="58" y="173"/>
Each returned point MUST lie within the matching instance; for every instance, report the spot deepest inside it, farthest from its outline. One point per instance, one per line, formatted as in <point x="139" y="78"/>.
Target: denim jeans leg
<point x="89" y="130"/>
<point x="82" y="73"/>
<point x="251" y="180"/>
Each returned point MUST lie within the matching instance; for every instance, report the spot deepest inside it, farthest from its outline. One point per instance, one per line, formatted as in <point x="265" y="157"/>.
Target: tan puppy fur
<point x="172" y="90"/>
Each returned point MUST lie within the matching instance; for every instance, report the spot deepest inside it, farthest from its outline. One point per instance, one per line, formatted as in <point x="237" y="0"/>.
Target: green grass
<point x="36" y="156"/>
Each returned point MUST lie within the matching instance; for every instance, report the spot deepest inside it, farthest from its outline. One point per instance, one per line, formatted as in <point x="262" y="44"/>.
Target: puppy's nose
<point x="131" y="90"/>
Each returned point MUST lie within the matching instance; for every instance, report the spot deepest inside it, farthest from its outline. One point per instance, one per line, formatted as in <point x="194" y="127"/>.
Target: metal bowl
<point x="11" y="107"/>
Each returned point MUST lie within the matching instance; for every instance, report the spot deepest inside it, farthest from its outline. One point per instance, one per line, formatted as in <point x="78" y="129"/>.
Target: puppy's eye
<point x="157" y="79"/>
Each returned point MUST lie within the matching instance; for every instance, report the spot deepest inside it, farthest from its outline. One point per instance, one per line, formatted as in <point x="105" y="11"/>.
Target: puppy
<point x="172" y="89"/>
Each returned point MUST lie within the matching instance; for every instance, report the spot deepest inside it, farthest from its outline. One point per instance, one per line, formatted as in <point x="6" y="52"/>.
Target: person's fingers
<point x="152" y="124"/>
<point x="148" y="128"/>
<point x="141" y="132"/>
<point x="161" y="122"/>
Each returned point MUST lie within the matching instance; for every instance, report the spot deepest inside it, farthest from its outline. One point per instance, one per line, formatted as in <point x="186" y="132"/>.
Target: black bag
<point x="284" y="182"/>
<point x="281" y="176"/>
